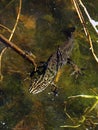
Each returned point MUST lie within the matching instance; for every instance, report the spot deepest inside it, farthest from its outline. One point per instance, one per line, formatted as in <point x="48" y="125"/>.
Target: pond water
<point x="39" y="31"/>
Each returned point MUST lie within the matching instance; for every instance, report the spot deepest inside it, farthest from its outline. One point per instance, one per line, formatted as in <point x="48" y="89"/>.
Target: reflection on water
<point x="92" y="21"/>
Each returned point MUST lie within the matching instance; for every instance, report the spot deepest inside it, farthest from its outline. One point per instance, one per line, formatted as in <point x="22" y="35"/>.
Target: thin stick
<point x="84" y="27"/>
<point x="6" y="28"/>
<point x="84" y="96"/>
<point x="17" y="49"/>
<point x="7" y="6"/>
<point x="93" y="106"/>
<point x="12" y="33"/>
<point x="17" y="20"/>
<point x="71" y="126"/>
<point x="87" y="96"/>
<point x="87" y="112"/>
<point x="1" y="75"/>
<point x="93" y="22"/>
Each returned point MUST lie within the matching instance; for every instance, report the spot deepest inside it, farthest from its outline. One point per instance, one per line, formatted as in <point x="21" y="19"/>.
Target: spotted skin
<point x="52" y="66"/>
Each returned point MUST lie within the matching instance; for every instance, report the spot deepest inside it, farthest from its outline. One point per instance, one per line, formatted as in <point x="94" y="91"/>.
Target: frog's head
<point x="68" y="32"/>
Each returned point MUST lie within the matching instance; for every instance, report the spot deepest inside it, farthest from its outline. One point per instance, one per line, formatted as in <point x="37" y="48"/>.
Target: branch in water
<point x="12" y="33"/>
<point x="1" y="12"/>
<point x="17" y="20"/>
<point x="93" y="22"/>
<point x="10" y="38"/>
<point x="76" y="5"/>
<point x="17" y="49"/>
<point x="84" y="117"/>
<point x="2" y="26"/>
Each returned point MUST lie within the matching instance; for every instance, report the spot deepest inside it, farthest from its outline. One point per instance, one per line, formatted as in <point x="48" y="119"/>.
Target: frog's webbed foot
<point x="77" y="71"/>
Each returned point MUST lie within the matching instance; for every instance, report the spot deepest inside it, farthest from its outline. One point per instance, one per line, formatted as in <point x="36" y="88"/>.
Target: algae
<point x="39" y="32"/>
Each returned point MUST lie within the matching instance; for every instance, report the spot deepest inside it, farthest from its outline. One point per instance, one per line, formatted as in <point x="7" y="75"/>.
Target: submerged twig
<point x="6" y="28"/>
<point x="17" y="20"/>
<point x="17" y="49"/>
<point x="93" y="22"/>
<point x="76" y="5"/>
<point x="90" y="97"/>
<point x="7" y="6"/>
<point x="84" y="116"/>
<point x="71" y="126"/>
<point x="10" y="38"/>
<point x="12" y="33"/>
<point x="1" y="54"/>
<point x="84" y="96"/>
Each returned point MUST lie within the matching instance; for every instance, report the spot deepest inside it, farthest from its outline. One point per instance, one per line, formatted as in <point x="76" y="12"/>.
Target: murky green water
<point x="39" y="32"/>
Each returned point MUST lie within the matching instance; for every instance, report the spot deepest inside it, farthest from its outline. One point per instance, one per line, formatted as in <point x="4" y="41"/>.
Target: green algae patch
<point x="39" y="32"/>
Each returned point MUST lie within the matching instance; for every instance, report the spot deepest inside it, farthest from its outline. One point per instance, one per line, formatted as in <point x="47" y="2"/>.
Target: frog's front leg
<point x="77" y="71"/>
<point x="54" y="90"/>
<point x="40" y="69"/>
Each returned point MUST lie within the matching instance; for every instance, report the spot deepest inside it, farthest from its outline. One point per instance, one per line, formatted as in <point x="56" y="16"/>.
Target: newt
<point x="45" y="74"/>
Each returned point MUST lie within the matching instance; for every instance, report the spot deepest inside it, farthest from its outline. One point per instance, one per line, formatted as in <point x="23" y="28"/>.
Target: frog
<point x="46" y="73"/>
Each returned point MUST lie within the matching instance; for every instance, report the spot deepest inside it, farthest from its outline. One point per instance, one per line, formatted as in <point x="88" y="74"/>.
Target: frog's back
<point x="54" y="63"/>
